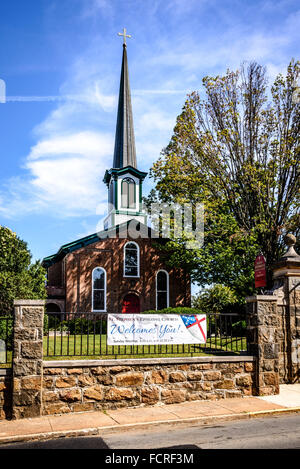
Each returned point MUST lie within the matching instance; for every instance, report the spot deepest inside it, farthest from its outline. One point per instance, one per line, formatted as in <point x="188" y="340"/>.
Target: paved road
<point x="263" y="433"/>
<point x="281" y="432"/>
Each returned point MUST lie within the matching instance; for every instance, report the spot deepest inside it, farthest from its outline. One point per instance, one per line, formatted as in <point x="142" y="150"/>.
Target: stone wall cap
<point x="251" y="299"/>
<point x="29" y="302"/>
<point x="146" y="361"/>
<point x="287" y="262"/>
<point x="280" y="273"/>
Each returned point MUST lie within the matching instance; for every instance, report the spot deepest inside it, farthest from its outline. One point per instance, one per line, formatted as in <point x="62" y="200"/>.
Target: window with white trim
<point x="131" y="260"/>
<point x="99" y="289"/>
<point x="162" y="289"/>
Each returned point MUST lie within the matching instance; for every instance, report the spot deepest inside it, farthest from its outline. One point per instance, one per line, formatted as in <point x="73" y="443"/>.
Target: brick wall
<point x="109" y="255"/>
<point x="55" y="275"/>
<point x="86" y="385"/>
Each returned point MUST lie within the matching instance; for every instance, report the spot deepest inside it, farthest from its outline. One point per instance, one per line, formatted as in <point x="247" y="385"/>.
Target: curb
<point x="101" y="431"/>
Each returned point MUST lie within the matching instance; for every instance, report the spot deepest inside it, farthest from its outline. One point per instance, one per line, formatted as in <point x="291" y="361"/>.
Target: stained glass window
<point x="131" y="260"/>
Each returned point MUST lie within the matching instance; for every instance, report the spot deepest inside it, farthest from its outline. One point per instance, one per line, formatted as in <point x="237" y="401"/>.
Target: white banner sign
<point x="151" y="329"/>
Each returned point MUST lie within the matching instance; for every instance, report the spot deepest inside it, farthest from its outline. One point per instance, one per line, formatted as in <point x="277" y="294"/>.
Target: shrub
<point x="86" y="326"/>
<point x="217" y="299"/>
<point x="74" y="325"/>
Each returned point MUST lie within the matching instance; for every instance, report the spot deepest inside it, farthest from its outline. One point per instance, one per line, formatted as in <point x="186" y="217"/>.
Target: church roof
<point x="94" y="238"/>
<point x="124" y="153"/>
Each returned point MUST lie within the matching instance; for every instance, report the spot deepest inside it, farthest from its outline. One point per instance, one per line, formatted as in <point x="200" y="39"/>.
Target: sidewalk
<point x="103" y="423"/>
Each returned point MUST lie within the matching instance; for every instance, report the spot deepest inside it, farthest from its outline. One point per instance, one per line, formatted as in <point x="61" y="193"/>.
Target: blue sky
<point x="61" y="63"/>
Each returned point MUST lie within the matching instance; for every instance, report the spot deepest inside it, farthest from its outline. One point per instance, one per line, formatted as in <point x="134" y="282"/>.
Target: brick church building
<point x="111" y="272"/>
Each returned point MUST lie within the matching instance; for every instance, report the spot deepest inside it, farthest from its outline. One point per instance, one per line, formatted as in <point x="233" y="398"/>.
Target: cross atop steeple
<point x="124" y="36"/>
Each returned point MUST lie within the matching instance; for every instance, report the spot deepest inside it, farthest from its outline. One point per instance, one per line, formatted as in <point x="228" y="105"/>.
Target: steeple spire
<point x="124" y="181"/>
<point x="124" y="153"/>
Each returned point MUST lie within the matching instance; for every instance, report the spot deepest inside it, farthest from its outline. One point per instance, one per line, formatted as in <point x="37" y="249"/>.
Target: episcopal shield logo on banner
<point x="196" y="325"/>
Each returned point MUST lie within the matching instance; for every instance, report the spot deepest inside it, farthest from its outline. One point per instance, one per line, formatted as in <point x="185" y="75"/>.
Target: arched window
<point x="128" y="193"/>
<point x="99" y="290"/>
<point x="131" y="260"/>
<point x="162" y="289"/>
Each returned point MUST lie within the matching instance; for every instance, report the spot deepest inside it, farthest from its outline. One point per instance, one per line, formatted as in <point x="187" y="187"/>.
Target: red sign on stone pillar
<point x="260" y="271"/>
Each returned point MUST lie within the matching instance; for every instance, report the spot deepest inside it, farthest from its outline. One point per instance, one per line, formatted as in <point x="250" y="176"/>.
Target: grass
<point x="90" y="346"/>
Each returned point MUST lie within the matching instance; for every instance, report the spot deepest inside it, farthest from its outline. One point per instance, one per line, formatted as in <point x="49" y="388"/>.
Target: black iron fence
<point x="85" y="335"/>
<point x="6" y="340"/>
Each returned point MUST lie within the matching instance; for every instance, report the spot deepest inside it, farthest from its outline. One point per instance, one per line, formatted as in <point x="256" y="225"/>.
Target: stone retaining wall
<point x="5" y="393"/>
<point x="83" y="386"/>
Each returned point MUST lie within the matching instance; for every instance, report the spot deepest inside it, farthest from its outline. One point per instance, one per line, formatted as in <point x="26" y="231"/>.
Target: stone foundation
<point x="99" y="385"/>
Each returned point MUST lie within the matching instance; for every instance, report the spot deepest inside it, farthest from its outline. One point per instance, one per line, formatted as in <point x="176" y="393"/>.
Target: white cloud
<point x="230" y="46"/>
<point x="66" y="172"/>
<point x="91" y="8"/>
<point x="65" y="177"/>
<point x="84" y="143"/>
<point x="107" y="102"/>
<point x="150" y="151"/>
<point x="155" y="120"/>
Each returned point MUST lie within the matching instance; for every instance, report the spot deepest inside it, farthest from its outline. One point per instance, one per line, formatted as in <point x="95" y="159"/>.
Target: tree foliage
<point x="216" y="299"/>
<point x="237" y="150"/>
<point x="19" y="279"/>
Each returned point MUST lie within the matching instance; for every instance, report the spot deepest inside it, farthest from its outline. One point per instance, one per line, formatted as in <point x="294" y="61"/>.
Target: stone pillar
<point x="264" y="342"/>
<point x="274" y="325"/>
<point x="27" y="358"/>
<point x="286" y="274"/>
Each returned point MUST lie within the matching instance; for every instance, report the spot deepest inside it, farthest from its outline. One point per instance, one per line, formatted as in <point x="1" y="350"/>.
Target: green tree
<point x="216" y="299"/>
<point x="19" y="279"/>
<point x="238" y="151"/>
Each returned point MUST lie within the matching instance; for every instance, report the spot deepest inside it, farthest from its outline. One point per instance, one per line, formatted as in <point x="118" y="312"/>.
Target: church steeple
<point x="124" y="154"/>
<point x="124" y="181"/>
